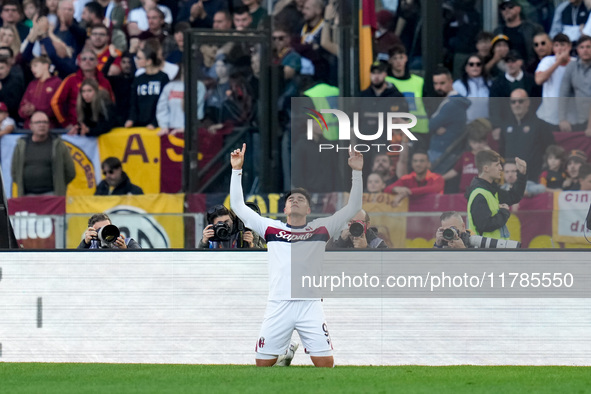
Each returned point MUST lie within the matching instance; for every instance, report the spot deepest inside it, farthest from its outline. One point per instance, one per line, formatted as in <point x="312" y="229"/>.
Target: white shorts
<point x="282" y="317"/>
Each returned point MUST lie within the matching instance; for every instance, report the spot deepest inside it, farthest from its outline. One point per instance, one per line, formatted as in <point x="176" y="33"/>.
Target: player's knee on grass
<point x="265" y="363"/>
<point x="265" y="360"/>
<point x="323" y="362"/>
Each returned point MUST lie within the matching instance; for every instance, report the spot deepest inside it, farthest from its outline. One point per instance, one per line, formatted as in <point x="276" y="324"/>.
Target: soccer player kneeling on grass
<point x="284" y="313"/>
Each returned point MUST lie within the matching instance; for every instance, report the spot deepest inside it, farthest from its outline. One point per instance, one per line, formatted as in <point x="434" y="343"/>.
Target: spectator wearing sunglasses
<point x="475" y="85"/>
<point x="543" y="46"/>
<point x="520" y="32"/>
<point x="116" y="182"/>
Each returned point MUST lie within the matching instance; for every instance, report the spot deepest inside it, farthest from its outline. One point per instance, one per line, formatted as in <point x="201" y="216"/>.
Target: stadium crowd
<point x="91" y="66"/>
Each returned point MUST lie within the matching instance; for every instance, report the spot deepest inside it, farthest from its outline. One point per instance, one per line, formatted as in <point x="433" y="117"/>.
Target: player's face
<point x="297" y="204"/>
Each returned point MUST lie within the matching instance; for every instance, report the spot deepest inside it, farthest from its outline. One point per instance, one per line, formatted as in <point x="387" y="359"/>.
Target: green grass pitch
<point x="149" y="378"/>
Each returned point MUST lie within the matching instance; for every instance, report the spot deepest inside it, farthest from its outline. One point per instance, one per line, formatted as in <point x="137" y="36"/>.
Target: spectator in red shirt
<point x="419" y="182"/>
<point x="64" y="100"/>
<point x="99" y="44"/>
<point x="38" y="95"/>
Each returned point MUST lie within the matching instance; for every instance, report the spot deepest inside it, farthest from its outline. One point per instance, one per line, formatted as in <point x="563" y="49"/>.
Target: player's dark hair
<point x="301" y="191"/>
<point x="98" y="217"/>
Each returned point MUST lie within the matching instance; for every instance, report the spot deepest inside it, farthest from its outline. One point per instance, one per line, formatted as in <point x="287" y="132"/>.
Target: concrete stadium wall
<point x="207" y="307"/>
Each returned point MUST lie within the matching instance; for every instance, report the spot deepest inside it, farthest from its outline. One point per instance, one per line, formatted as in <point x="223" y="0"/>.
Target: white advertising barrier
<point x="207" y="307"/>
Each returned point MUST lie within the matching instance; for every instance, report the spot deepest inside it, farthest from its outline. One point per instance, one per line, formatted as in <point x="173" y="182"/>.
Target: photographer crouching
<point x="452" y="234"/>
<point x="225" y="231"/>
<point x="358" y="235"/>
<point x="102" y="234"/>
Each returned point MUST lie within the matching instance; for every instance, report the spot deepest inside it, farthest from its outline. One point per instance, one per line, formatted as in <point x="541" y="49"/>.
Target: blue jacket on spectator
<point x="451" y="115"/>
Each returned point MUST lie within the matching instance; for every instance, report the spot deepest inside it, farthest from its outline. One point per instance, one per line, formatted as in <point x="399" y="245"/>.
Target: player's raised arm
<point x="356" y="161"/>
<point x="355" y="197"/>
<point x="250" y="218"/>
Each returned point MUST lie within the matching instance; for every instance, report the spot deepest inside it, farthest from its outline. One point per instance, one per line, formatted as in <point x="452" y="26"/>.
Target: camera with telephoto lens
<point x="477" y="241"/>
<point x="107" y="236"/>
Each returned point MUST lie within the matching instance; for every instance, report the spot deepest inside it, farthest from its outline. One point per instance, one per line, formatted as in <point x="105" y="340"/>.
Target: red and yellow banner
<point x="139" y="150"/>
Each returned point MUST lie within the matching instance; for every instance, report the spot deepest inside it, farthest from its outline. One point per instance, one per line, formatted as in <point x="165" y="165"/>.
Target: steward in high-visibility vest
<point x="325" y="96"/>
<point x="488" y="204"/>
<point x="411" y="87"/>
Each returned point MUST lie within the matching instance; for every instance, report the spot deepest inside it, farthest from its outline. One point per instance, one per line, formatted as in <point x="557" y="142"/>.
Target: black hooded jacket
<point x="123" y="188"/>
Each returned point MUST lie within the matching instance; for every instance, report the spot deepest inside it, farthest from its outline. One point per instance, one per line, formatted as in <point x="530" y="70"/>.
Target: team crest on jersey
<point x="261" y="342"/>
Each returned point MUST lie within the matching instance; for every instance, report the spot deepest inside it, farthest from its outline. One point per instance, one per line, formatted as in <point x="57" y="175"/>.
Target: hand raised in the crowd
<point x="237" y="158"/>
<point x="521" y="165"/>
<point x="505" y="206"/>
